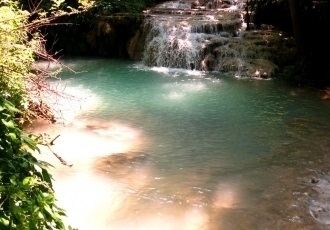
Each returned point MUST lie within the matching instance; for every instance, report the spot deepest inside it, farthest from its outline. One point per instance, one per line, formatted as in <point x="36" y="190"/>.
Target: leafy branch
<point x="27" y="198"/>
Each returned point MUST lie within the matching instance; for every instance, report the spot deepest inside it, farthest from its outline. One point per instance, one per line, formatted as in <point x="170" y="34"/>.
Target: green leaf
<point x="11" y="108"/>
<point x="12" y="136"/>
<point x="4" y="222"/>
<point x="13" y="180"/>
<point x="46" y="176"/>
<point x="28" y="142"/>
<point x="9" y="124"/>
<point x="27" y="181"/>
<point x="40" y="215"/>
<point x="50" y="211"/>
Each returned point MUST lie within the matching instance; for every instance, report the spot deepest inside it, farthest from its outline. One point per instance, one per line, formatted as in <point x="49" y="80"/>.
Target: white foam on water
<point x="319" y="207"/>
<point x="172" y="72"/>
<point x="161" y="69"/>
<point x="175" y="5"/>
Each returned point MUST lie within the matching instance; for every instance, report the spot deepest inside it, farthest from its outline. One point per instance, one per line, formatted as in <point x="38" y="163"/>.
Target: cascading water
<point x="179" y="36"/>
<point x="174" y="46"/>
<point x="210" y="36"/>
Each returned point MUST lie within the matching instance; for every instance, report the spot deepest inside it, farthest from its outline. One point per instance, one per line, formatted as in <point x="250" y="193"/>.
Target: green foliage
<point x="27" y="199"/>
<point x="109" y="7"/>
<point x="16" y="55"/>
<point x="49" y="5"/>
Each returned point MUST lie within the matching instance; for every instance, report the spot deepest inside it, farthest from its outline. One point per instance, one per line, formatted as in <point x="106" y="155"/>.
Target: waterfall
<point x="204" y="35"/>
<point x="178" y="36"/>
<point x="171" y="44"/>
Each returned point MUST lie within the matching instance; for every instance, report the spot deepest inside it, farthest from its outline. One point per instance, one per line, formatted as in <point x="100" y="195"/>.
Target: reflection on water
<point x="172" y="149"/>
<point x="225" y="197"/>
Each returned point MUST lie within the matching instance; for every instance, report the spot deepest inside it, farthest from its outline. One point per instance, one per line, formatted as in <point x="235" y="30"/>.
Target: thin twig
<point x="51" y="143"/>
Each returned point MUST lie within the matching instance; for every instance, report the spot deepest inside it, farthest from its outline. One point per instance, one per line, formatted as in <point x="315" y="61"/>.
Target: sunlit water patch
<point x="71" y="102"/>
<point x="160" y="148"/>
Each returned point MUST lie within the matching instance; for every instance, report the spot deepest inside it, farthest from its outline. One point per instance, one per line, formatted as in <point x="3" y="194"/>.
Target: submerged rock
<point x="119" y="162"/>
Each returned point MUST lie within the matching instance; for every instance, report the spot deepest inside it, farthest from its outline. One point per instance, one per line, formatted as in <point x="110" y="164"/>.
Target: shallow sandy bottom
<point x="88" y="196"/>
<point x="101" y="188"/>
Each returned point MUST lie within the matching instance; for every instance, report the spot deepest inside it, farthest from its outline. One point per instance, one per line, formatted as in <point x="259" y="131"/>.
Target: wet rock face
<point x="110" y="36"/>
<point x="97" y="36"/>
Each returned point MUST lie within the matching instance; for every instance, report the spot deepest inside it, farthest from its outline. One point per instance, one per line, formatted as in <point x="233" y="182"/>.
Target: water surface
<point x="159" y="148"/>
